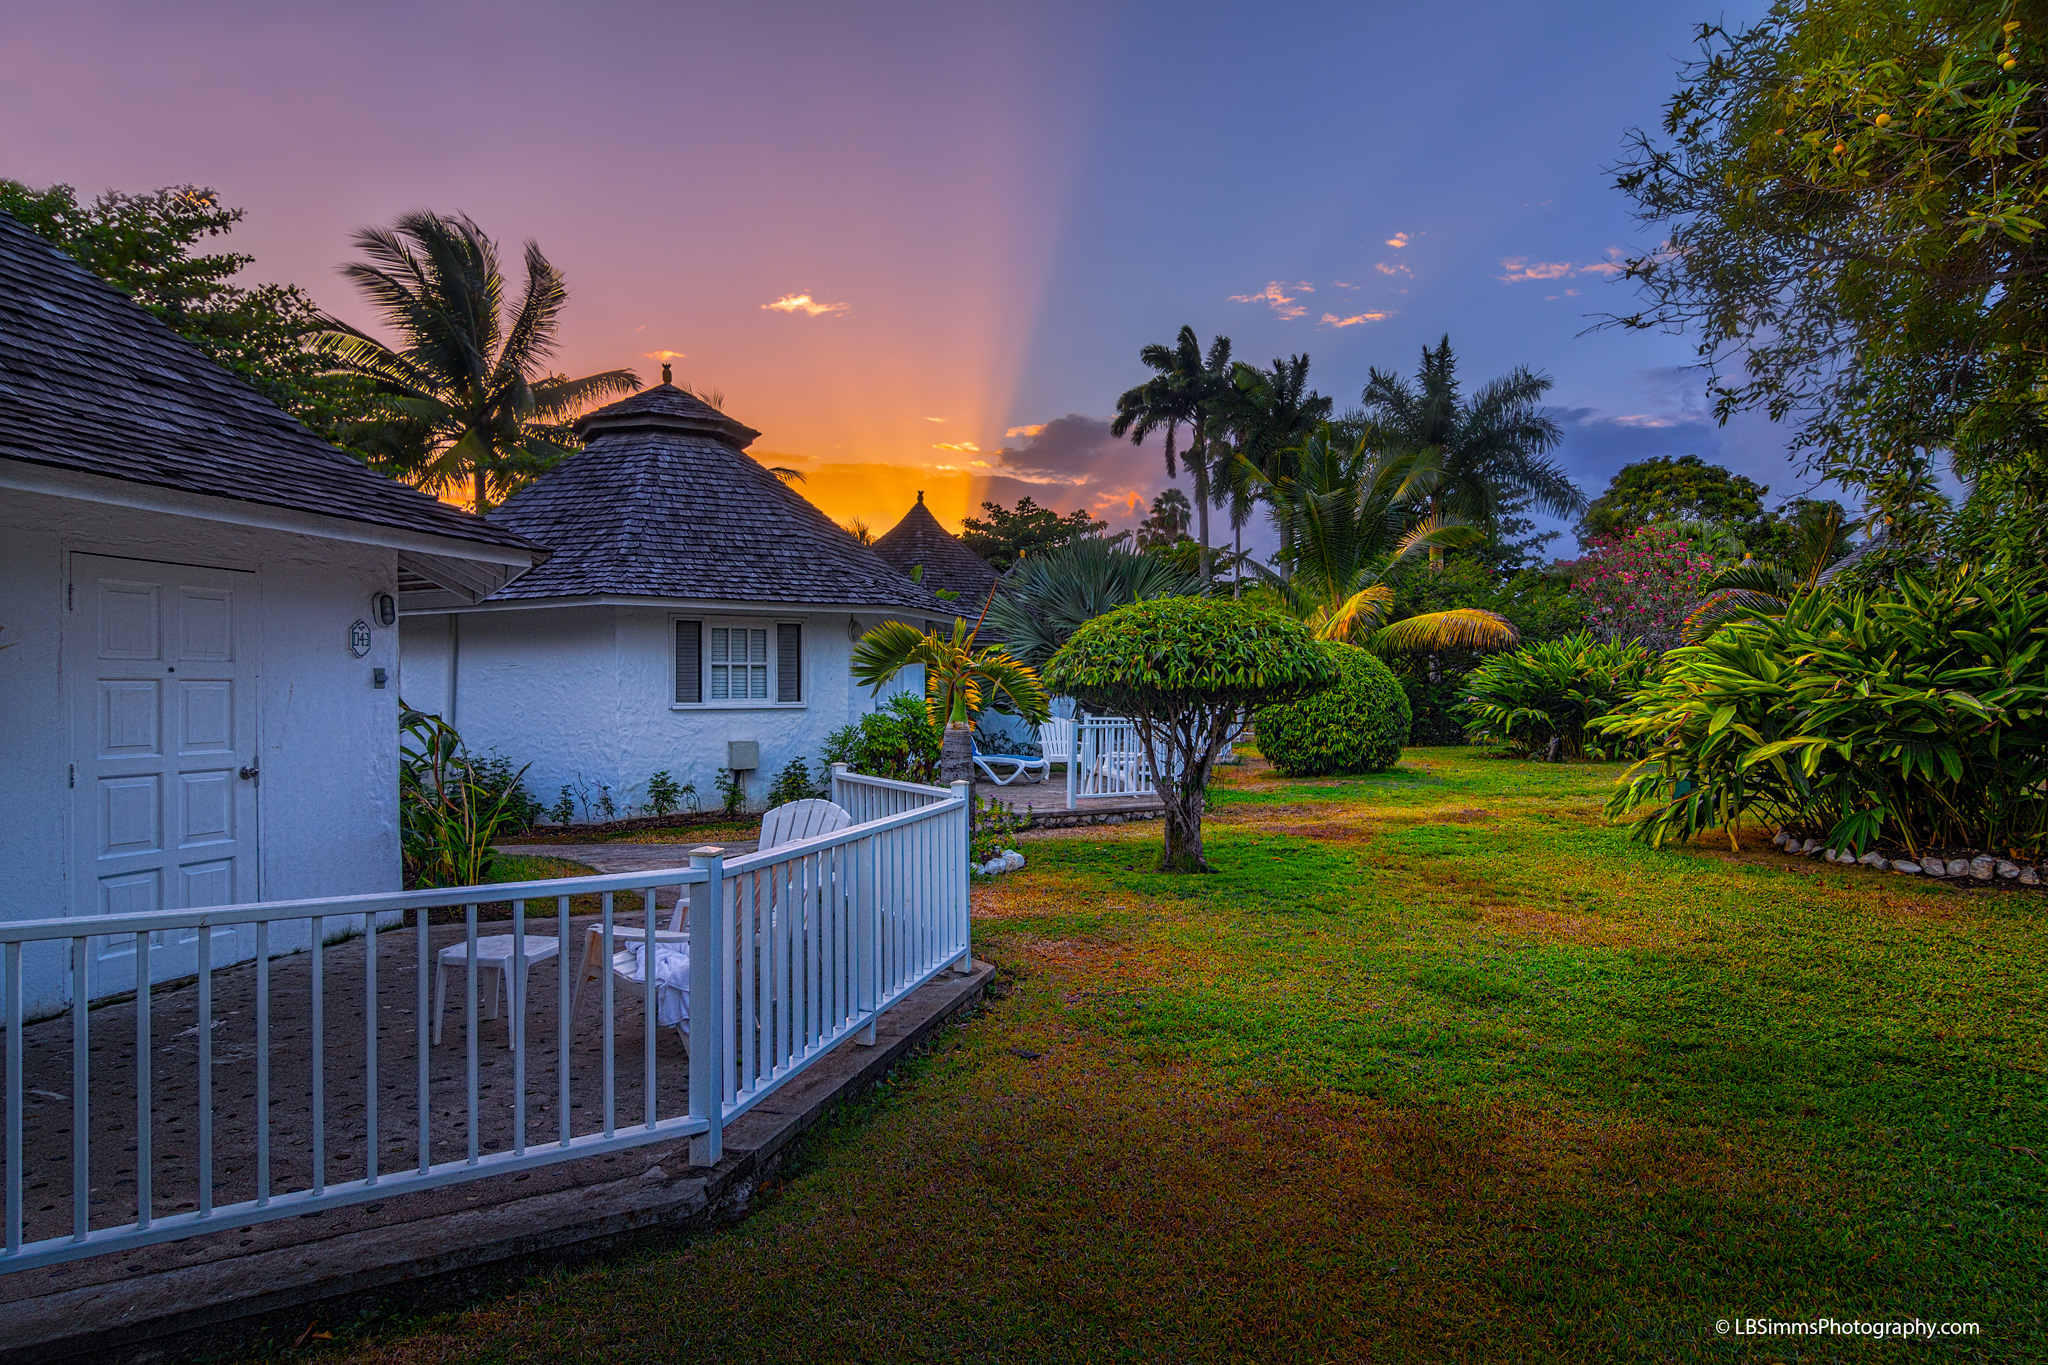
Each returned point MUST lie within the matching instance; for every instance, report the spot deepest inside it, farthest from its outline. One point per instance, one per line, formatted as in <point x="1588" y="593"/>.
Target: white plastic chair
<point x="493" y="955"/>
<point x="1056" y="739"/>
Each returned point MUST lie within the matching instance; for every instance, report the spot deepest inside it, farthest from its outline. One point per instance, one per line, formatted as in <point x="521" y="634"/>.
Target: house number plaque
<point x="359" y="639"/>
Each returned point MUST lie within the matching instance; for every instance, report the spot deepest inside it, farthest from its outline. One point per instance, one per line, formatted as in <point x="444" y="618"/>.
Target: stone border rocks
<point x="1964" y="866"/>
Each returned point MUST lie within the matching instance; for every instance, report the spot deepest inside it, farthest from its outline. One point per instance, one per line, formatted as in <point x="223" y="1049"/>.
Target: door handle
<point x="248" y="774"/>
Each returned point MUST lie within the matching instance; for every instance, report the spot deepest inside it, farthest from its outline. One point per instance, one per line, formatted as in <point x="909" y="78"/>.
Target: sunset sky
<point x="919" y="246"/>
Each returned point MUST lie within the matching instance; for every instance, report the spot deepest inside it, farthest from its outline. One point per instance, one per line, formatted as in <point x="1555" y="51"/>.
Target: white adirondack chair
<point x="805" y="819"/>
<point x="786" y="824"/>
<point x="1056" y="740"/>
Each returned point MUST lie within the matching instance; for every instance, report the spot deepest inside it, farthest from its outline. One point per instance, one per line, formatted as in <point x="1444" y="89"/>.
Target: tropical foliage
<point x="960" y="678"/>
<point x="1538" y="699"/>
<point x="1346" y="513"/>
<point x="1006" y="536"/>
<point x="1848" y="198"/>
<point x="1188" y="388"/>
<point x="1642" y="586"/>
<point x="1048" y="597"/>
<point x="1763" y="587"/>
<point x="451" y="807"/>
<point x="1186" y="670"/>
<point x="1357" y="725"/>
<point x="1486" y="450"/>
<point x="465" y="398"/>
<point x="1662" y="489"/>
<point x="897" y="739"/>
<point x="1914" y="716"/>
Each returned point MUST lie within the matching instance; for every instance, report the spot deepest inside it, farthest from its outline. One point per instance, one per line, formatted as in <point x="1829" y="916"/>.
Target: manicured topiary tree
<point x="1185" y="670"/>
<point x="1357" y="726"/>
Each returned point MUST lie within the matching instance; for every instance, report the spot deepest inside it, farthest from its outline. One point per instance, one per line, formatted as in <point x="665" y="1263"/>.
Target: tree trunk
<point x="956" y="755"/>
<point x="481" y="506"/>
<point x="1183" y="850"/>
<point x="1202" y="509"/>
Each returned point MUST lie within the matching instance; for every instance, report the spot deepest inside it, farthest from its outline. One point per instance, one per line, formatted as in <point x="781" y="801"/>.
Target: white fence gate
<point x="312" y="1088"/>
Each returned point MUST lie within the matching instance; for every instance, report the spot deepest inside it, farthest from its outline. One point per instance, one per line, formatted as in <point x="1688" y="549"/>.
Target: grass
<point x="524" y="867"/>
<point x="1439" y="1067"/>
<point x="741" y="827"/>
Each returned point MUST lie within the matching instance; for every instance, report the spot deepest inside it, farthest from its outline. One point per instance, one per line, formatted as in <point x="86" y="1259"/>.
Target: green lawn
<point x="1439" y="1068"/>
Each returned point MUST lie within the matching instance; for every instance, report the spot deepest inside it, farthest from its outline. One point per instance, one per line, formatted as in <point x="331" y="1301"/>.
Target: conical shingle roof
<point x="919" y="539"/>
<point x="661" y="502"/>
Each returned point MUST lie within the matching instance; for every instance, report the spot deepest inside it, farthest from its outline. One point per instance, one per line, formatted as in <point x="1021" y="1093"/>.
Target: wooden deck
<point x="1047" y="801"/>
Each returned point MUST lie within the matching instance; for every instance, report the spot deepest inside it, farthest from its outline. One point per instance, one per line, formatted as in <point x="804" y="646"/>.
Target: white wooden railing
<point x="872" y="798"/>
<point x="337" y="1097"/>
<point x="1109" y="761"/>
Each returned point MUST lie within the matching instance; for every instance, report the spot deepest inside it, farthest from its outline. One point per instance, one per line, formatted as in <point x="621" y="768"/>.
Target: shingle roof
<point x="91" y="382"/>
<point x="919" y="539"/>
<point x="661" y="502"/>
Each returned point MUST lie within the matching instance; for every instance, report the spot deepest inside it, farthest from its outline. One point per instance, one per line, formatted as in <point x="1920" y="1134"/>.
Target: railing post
<point x="867" y="910"/>
<point x="1074" y="761"/>
<point x="953" y="876"/>
<point x="839" y="784"/>
<point x="708" y="1004"/>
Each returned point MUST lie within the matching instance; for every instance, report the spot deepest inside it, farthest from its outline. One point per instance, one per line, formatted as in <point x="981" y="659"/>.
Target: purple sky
<point x="972" y="215"/>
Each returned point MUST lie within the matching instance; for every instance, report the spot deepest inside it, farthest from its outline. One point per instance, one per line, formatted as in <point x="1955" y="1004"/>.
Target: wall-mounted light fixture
<point x="385" y="607"/>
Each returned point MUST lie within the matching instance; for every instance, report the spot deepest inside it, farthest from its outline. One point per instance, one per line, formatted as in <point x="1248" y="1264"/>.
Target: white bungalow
<point x="198" y="601"/>
<point x="695" y="613"/>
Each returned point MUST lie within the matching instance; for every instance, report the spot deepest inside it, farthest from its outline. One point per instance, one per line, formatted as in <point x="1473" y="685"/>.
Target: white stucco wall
<point x="583" y="695"/>
<point x="326" y="738"/>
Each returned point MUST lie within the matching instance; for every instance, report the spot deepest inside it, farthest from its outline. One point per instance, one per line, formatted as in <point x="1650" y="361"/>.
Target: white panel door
<point x="160" y="671"/>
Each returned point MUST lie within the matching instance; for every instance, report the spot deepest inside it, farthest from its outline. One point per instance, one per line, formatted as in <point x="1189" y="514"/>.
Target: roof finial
<point x="920" y="496"/>
<point x="665" y="373"/>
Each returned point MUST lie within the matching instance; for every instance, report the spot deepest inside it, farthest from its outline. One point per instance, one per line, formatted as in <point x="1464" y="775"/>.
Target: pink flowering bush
<point x="1640" y="586"/>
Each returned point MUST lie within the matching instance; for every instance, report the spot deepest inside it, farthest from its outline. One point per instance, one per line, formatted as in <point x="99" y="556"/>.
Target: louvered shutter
<point x="689" y="661"/>
<point x="789" y="662"/>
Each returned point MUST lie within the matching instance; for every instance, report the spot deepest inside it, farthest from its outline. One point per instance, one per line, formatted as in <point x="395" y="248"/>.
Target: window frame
<point x="706" y="623"/>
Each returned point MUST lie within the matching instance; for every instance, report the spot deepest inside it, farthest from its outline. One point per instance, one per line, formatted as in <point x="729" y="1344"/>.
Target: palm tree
<point x="466" y="396"/>
<point x="1489" y="450"/>
<point x="1267" y="414"/>
<point x="1344" y="511"/>
<point x="1049" y="596"/>
<point x="1187" y="389"/>
<point x="959" y="679"/>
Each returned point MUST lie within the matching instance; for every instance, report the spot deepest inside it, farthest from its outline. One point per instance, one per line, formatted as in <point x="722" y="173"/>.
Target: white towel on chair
<point x="671" y="979"/>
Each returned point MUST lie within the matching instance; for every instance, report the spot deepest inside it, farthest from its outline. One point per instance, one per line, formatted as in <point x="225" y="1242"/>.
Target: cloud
<point x="1276" y="297"/>
<point x="664" y="355"/>
<point x="1014" y="432"/>
<point x="934" y="419"/>
<point x="958" y="445"/>
<point x="1395" y="269"/>
<point x="805" y="304"/>
<point x="1332" y="320"/>
<point x="1398" y="240"/>
<point x="1521" y="269"/>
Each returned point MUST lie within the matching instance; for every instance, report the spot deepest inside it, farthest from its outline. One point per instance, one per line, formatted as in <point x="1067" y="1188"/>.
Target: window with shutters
<point x="728" y="663"/>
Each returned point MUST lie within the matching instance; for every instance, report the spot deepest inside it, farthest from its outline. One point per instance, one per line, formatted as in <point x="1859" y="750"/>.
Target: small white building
<point x="695" y="613"/>
<point x="198" y="652"/>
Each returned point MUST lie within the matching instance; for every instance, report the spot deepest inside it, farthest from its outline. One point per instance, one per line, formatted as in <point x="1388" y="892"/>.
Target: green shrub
<point x="898" y="739"/>
<point x="1548" y="692"/>
<point x="793" y="783"/>
<point x="1915" y="715"/>
<point x="1358" y="726"/>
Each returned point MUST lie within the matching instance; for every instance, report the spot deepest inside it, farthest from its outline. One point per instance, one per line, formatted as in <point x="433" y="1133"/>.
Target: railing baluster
<point x="610" y="1075"/>
<point x="469" y="1016"/>
<point x="205" y="1073"/>
<point x="649" y="1023"/>
<point x="145" y="1161"/>
<point x="750" y="954"/>
<point x="729" y="939"/>
<point x="518" y="994"/>
<point x="262" y="1063"/>
<point x="319" y="1049"/>
<point x="423" y="1103"/>
<point x="14" y="1093"/>
<point x="371" y="1013"/>
<point x="562" y="1014"/>
<point x="81" y="1112"/>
